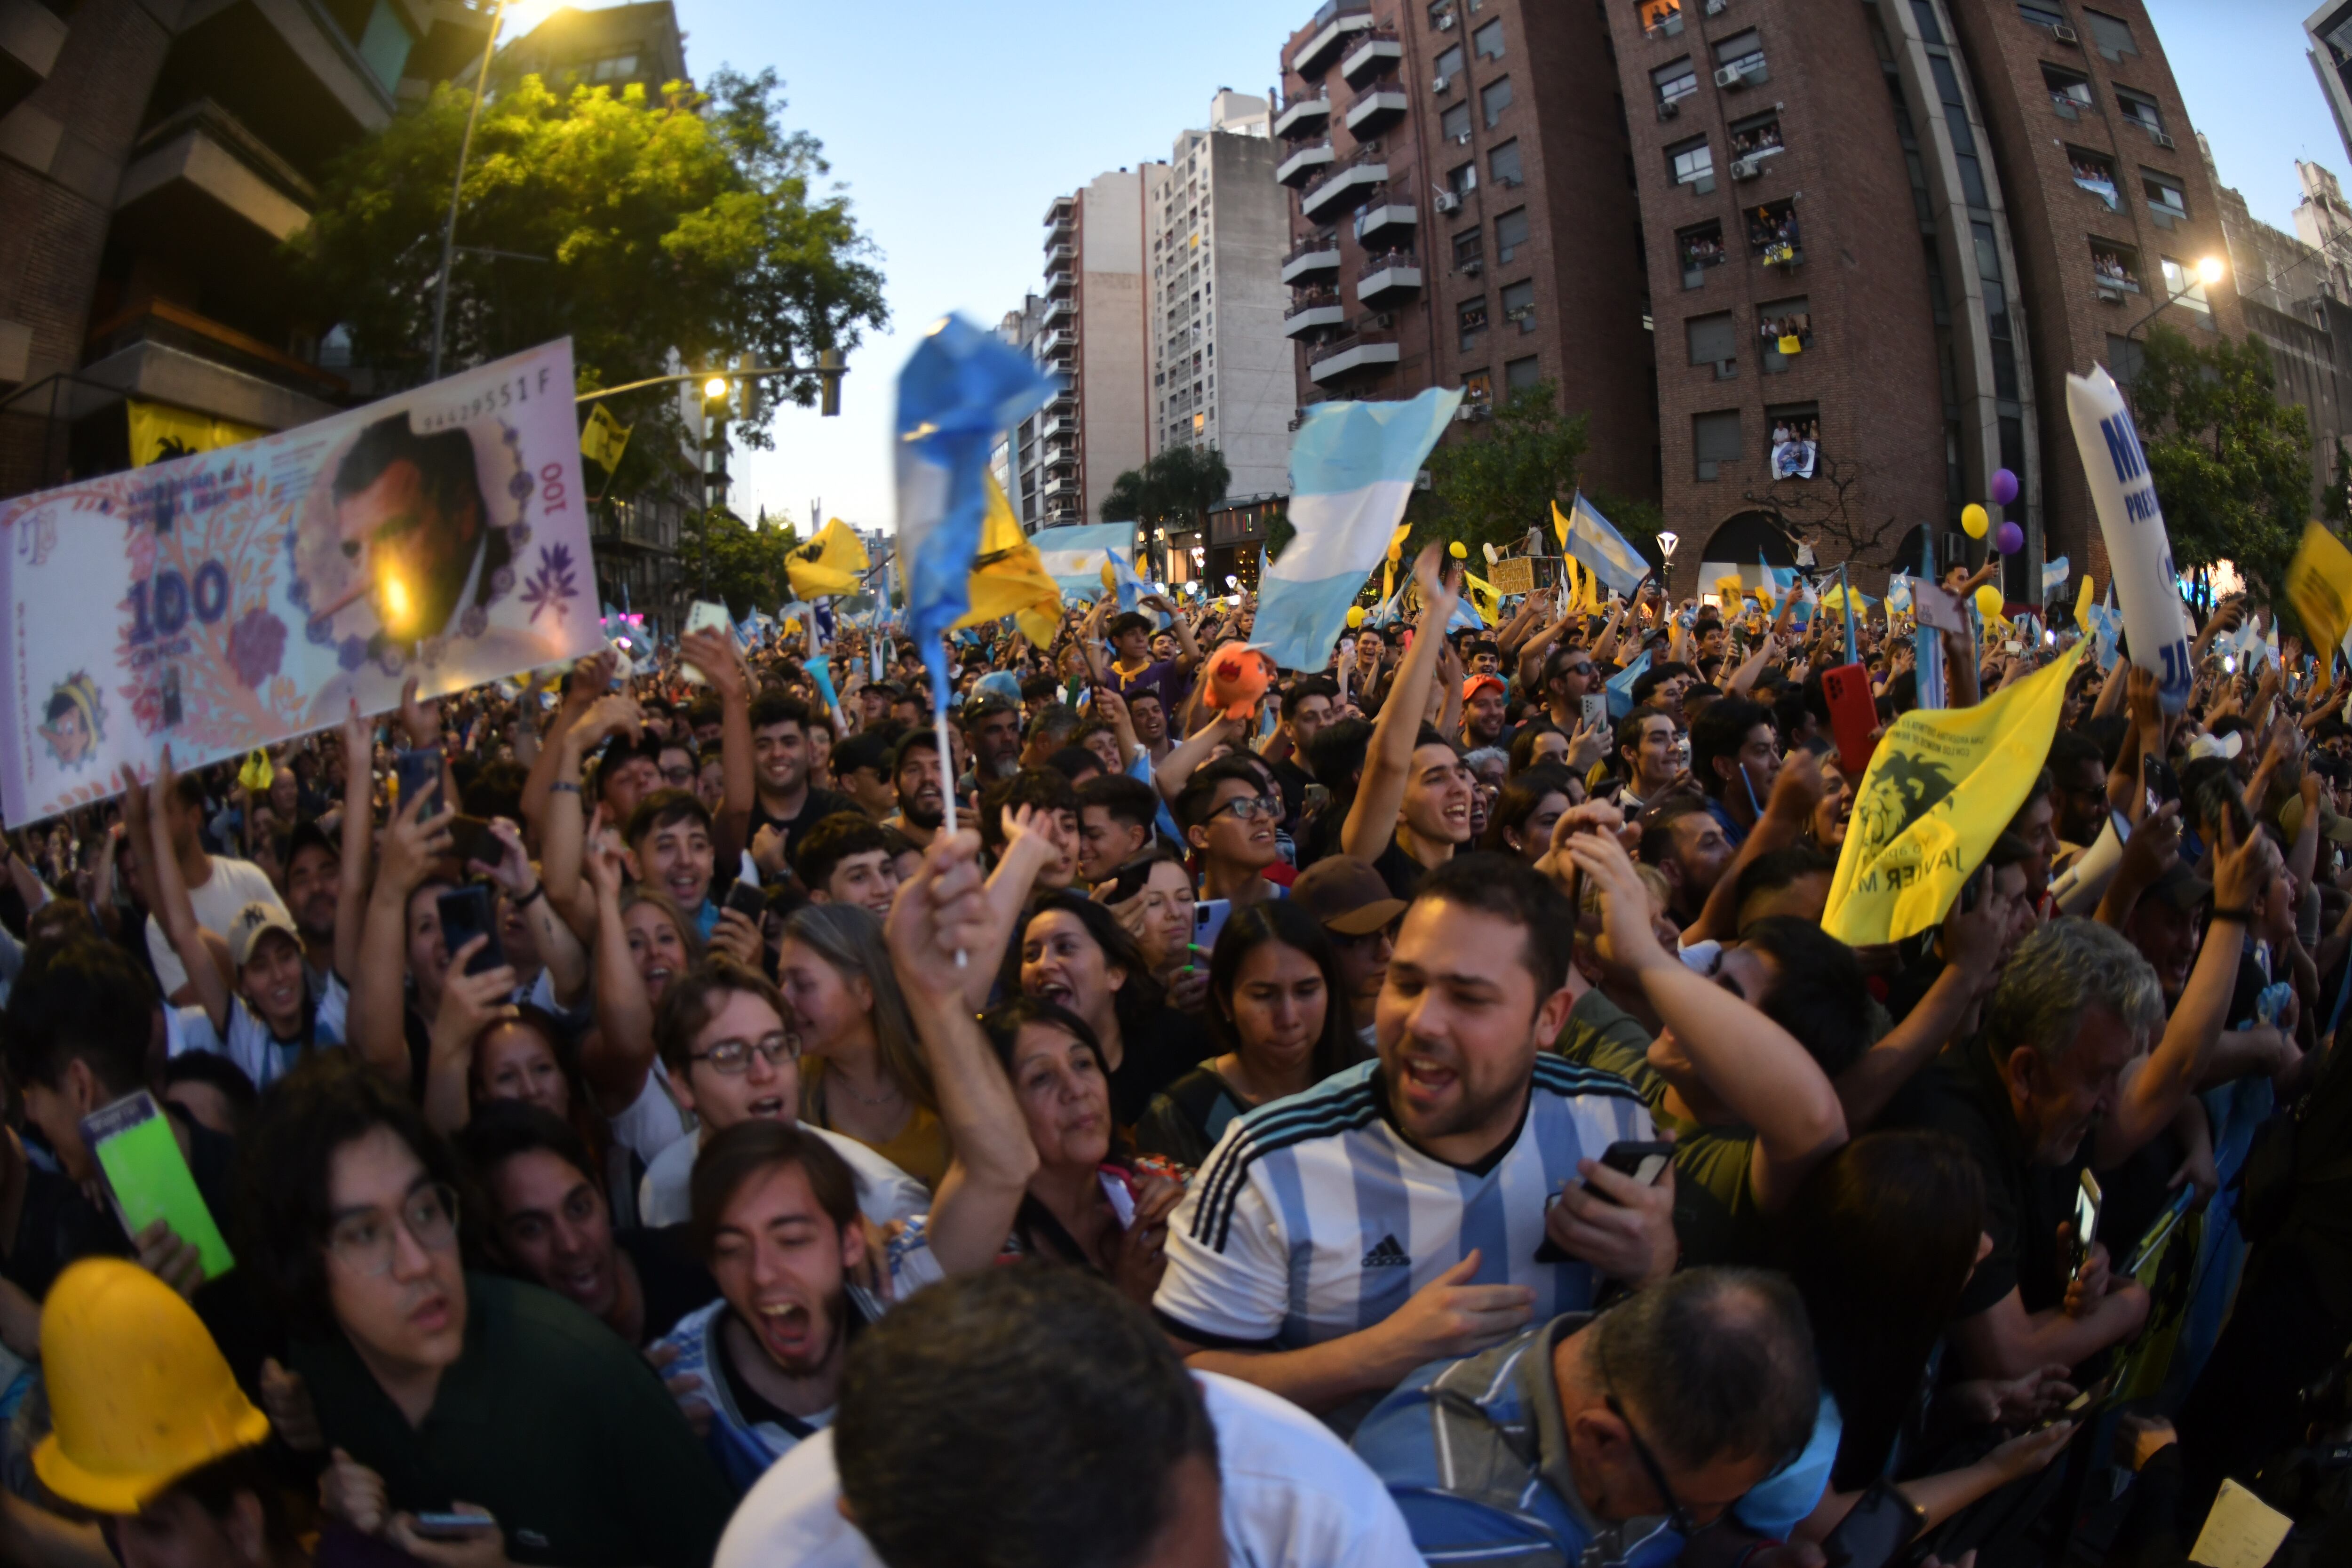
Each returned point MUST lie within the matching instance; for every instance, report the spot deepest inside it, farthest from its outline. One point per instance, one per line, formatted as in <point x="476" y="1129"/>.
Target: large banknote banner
<point x="235" y="597"/>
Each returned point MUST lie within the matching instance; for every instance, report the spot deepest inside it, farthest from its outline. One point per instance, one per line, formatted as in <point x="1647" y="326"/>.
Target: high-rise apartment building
<point x="1466" y="214"/>
<point x="1221" y="370"/>
<point x="2329" y="28"/>
<point x="1092" y="331"/>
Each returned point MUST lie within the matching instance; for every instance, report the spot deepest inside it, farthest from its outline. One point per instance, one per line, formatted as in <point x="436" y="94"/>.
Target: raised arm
<point x="1798" y="789"/>
<point x="1388" y="762"/>
<point x="143" y="807"/>
<point x="1173" y="769"/>
<point x="1025" y="854"/>
<point x="565" y="826"/>
<point x="590" y="679"/>
<point x="359" y="839"/>
<point x="619" y="1053"/>
<point x="1188" y="657"/>
<point x="1969" y="945"/>
<point x="942" y="911"/>
<point x="1763" y="1075"/>
<point x="713" y="653"/>
<point x="378" y="1006"/>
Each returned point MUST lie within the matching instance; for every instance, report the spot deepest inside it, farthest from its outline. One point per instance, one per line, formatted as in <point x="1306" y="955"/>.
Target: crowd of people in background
<point x="1418" y="1114"/>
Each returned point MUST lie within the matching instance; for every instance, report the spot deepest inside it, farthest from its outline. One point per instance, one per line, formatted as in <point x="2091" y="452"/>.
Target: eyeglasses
<point x="1678" y="1519"/>
<point x="367" y="1243"/>
<point x="1245" y="808"/>
<point x="731" y="1058"/>
<point x="682" y="778"/>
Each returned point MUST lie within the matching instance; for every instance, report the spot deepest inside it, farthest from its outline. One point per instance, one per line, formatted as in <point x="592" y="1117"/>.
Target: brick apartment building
<point x="1464" y="215"/>
<point x="1863" y="299"/>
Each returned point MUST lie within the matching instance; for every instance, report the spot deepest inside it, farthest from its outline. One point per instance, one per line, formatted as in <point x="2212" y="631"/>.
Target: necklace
<point x="841" y="1080"/>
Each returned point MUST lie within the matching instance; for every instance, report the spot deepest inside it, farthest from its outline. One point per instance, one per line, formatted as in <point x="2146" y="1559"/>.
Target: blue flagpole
<point x="1845" y="592"/>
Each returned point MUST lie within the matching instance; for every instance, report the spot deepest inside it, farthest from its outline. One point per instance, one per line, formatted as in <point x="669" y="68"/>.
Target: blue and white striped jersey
<point x="1313" y="1217"/>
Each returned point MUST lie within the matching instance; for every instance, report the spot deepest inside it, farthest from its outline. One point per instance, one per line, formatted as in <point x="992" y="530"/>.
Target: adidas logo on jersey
<point x="1387" y="1254"/>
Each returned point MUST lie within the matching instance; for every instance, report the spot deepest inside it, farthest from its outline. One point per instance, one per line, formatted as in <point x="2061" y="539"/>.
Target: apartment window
<point x="2040" y="15"/>
<point x="614" y="67"/>
<point x="2069" y="94"/>
<point x="1494" y="98"/>
<point x="1449" y="62"/>
<point x="1714" y="440"/>
<point x="1503" y="163"/>
<point x="2124" y="358"/>
<point x="1470" y="251"/>
<point x="1471" y="319"/>
<point x="1756" y="137"/>
<point x="1487" y="41"/>
<point x="2180" y="288"/>
<point x="1772" y="233"/>
<point x="1792" y="435"/>
<point x="1699" y="248"/>
<point x="1520" y="374"/>
<point x="1454" y="123"/>
<point x="1712" y="339"/>
<point x="2111" y="36"/>
<point x="1520" y="305"/>
<point x="1692" y="163"/>
<point x="1674" y="82"/>
<point x="2140" y="108"/>
<point x="1660" y="17"/>
<point x="1784" y="329"/>
<point x="2165" y="202"/>
<point x="1478" y="386"/>
<point x="1510" y="233"/>
<point x="1461" y="179"/>
<point x="2095" y="173"/>
<point x="2115" y="266"/>
<point x="1743" y="52"/>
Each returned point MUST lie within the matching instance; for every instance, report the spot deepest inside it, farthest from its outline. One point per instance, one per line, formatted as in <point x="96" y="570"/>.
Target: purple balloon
<point x="2004" y="487"/>
<point x="2008" y="538"/>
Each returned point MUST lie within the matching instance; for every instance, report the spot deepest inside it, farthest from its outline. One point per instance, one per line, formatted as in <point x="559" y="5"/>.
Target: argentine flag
<point x="1352" y="467"/>
<point x="1594" y="541"/>
<point x="1620" y="687"/>
<point x="2054" y="578"/>
<point x="1074" y="557"/>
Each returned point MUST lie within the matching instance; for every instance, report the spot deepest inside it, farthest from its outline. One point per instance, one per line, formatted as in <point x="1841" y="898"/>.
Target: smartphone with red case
<point x="1854" y="714"/>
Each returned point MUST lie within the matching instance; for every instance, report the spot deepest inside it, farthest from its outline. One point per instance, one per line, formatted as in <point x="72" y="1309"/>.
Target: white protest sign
<point x="235" y="597"/>
<point x="2140" y="552"/>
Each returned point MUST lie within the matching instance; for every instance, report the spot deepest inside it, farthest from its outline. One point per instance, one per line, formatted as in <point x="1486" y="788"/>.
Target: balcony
<point x="1060" y="341"/>
<point x="1305" y="164"/>
<point x="1060" y="217"/>
<point x="201" y="165"/>
<point x="1386" y="221"/>
<point x="1316" y="257"/>
<point x="1376" y="108"/>
<point x="165" y="354"/>
<point x="1335" y="23"/>
<point x="1350" y="355"/>
<point x="1059" y="487"/>
<point x="1060" y="280"/>
<point x="1347" y="185"/>
<point x="1378" y="50"/>
<point x="1060" y="256"/>
<point x="1316" y="311"/>
<point x="1303" y="117"/>
<point x="1058" y="313"/>
<point x="1386" y="279"/>
<point x="1058" y="425"/>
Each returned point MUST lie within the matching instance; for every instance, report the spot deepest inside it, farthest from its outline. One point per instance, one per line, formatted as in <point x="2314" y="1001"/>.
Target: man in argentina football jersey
<point x="1433" y="1201"/>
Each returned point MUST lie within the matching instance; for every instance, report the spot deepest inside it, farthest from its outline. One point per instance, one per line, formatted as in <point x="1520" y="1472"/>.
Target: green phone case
<point x="150" y="1178"/>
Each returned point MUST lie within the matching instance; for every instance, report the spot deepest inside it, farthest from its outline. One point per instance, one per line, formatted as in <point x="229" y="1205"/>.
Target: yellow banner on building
<point x="2319" y="586"/>
<point x="1941" y="786"/>
<point x="159" y="432"/>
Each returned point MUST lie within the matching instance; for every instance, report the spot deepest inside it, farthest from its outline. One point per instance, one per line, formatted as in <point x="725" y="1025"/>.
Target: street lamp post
<point x="456" y="193"/>
<point x="2210" y="271"/>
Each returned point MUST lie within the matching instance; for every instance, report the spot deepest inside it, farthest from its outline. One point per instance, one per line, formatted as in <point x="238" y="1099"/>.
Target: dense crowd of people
<point x="700" y="1110"/>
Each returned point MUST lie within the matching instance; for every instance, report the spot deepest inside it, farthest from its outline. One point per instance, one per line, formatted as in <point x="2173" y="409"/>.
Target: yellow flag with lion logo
<point x="1941" y="786"/>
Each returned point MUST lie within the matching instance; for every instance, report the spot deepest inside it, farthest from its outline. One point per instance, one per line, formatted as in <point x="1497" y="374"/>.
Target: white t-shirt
<point x="1294" y="1497"/>
<point x="652" y="1121"/>
<point x="264" y="1057"/>
<point x="885" y="1192"/>
<point x="232" y="885"/>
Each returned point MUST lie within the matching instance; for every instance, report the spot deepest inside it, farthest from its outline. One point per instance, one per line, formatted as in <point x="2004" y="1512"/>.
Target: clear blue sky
<point x="952" y="124"/>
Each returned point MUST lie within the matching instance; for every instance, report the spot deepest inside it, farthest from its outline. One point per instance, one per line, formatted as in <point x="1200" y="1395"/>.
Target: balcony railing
<point x="1358" y="176"/>
<point x="1303" y="161"/>
<point x="1386" y="276"/>
<point x="1335" y="23"/>
<point x="1377" y="49"/>
<point x="1384" y="213"/>
<point x="1368" y="349"/>
<point x="1317" y="258"/>
<point x="1316" y="310"/>
<point x="1303" y="116"/>
<point x="1376" y="108"/>
<point x="175" y="326"/>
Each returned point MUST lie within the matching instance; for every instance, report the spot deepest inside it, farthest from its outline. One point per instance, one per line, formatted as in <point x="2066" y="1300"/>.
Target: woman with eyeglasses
<point x="1075" y="954"/>
<point x="862" y="1070"/>
<point x="400" y="1349"/>
<point x="1278" y="1015"/>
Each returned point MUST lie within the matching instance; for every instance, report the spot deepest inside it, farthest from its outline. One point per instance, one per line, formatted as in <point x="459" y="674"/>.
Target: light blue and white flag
<point x="1074" y="558"/>
<point x="1594" y="540"/>
<point x="1898" y="593"/>
<point x="1620" y="688"/>
<point x="962" y="389"/>
<point x="2054" y="578"/>
<point x="1130" y="587"/>
<point x="1352" y="467"/>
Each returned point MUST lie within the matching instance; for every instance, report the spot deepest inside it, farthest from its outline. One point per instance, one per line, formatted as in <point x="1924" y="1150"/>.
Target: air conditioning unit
<point x="1715" y="7"/>
<point x="1669" y="108"/>
<point x="1440" y="83"/>
<point x="1445" y="22"/>
<point x="1385" y="319"/>
<point x="2159" y="138"/>
<point x="1461" y="139"/>
<point x="1447" y="200"/>
<point x="1472" y="268"/>
<point x="2065" y="33"/>
<point x="1730" y="76"/>
<point x="1746" y="168"/>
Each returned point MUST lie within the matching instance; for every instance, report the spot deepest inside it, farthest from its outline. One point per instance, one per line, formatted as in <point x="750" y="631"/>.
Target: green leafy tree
<point x="1501" y="477"/>
<point x="1173" y="490"/>
<point x="686" y="225"/>
<point x="2231" y="464"/>
<point x="742" y="566"/>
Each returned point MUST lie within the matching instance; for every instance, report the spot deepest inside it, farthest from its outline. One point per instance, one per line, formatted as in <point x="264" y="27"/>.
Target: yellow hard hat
<point x="139" y="1394"/>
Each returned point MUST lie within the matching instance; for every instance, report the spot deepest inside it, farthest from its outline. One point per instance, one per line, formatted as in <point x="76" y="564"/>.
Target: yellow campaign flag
<point x="1573" y="599"/>
<point x="1396" y="540"/>
<point x="1727" y="588"/>
<point x="2082" y="603"/>
<point x="1008" y="577"/>
<point x="832" y="563"/>
<point x="1560" y="525"/>
<point x="1942" y="784"/>
<point x="1489" y="604"/>
<point x="160" y="432"/>
<point x="2319" y="586"/>
<point x="256" y="774"/>
<point x="604" y="438"/>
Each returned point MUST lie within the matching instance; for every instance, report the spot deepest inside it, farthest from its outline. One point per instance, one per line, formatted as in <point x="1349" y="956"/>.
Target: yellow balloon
<point x="1988" y="601"/>
<point x="1457" y="551"/>
<point x="1355" y="616"/>
<point x="1974" y="519"/>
